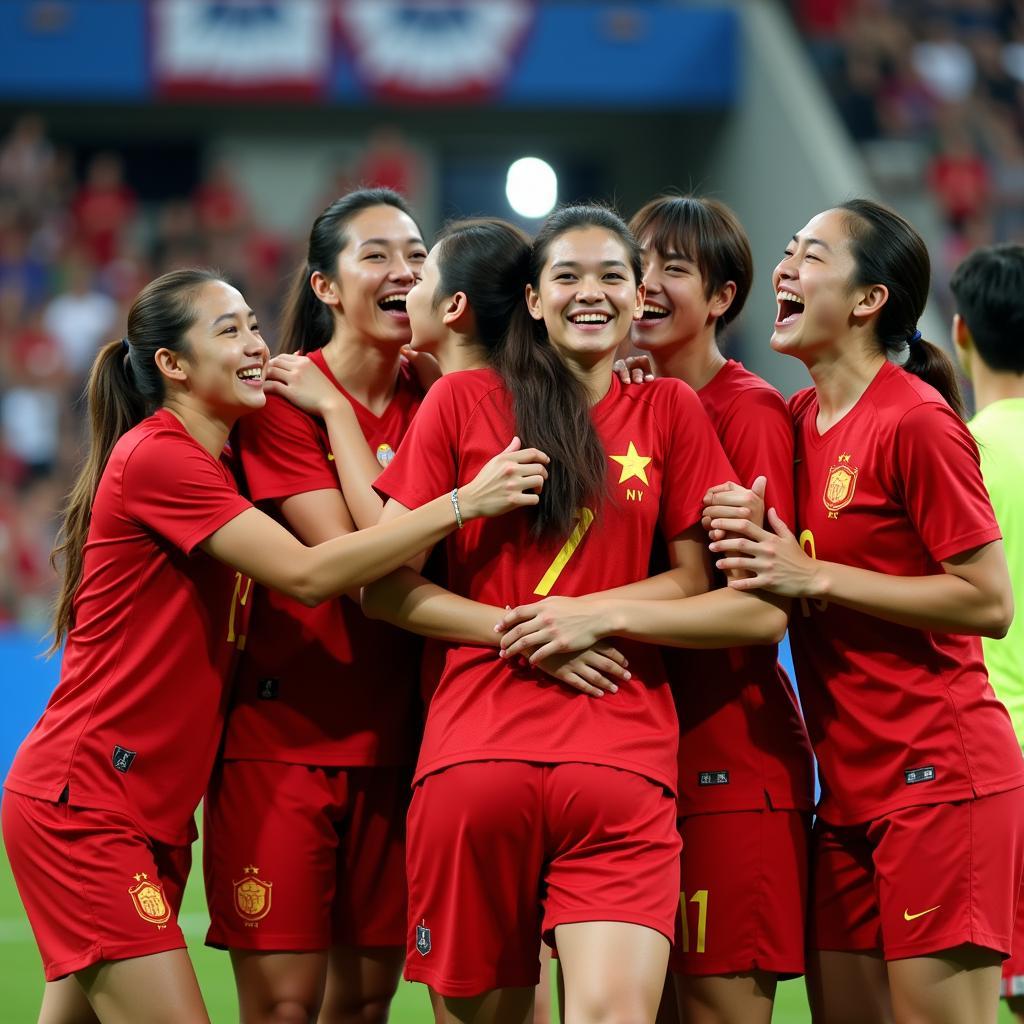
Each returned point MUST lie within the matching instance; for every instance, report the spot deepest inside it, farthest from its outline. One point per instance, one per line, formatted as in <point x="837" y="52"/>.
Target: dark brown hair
<point x="552" y="408"/>
<point x="888" y="251"/>
<point x="306" y="322"/>
<point x="124" y="387"/>
<point x="705" y="232"/>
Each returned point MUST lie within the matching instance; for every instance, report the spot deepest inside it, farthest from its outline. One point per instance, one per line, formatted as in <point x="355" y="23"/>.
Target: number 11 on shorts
<point x="700" y="897"/>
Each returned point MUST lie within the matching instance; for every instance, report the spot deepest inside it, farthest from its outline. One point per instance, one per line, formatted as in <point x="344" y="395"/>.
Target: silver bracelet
<point x="455" y="505"/>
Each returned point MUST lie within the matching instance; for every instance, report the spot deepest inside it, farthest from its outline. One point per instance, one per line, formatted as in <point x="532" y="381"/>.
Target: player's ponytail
<point x="306" y="323"/>
<point x="124" y="387"/>
<point x="888" y="251"/>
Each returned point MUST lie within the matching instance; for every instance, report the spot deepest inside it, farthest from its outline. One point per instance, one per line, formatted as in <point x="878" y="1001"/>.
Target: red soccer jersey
<point x="662" y="457"/>
<point x="135" y="722"/>
<point x="742" y="741"/>
<point x="897" y="716"/>
<point x="321" y="685"/>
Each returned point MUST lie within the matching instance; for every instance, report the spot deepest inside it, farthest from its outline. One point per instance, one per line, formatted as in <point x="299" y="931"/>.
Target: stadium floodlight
<point x="531" y="187"/>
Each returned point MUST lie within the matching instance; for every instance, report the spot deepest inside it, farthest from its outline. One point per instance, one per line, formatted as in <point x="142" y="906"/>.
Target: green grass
<point x="21" y="976"/>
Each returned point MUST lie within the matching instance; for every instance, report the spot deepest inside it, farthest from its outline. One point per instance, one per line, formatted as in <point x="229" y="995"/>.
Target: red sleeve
<point x="426" y="463"/>
<point x="283" y="452"/>
<point x="695" y="461"/>
<point x="177" y="489"/>
<point x="939" y="472"/>
<point x="757" y="435"/>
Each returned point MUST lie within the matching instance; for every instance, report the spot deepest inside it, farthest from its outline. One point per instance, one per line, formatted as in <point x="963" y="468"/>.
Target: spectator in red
<point x="103" y="208"/>
<point x="960" y="178"/>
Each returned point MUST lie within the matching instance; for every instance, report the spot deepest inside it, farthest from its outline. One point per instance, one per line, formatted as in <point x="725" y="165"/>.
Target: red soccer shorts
<point x="94" y="886"/>
<point x="1013" y="967"/>
<point x="921" y="879"/>
<point x="503" y="852"/>
<point x="743" y="893"/>
<point x="301" y="857"/>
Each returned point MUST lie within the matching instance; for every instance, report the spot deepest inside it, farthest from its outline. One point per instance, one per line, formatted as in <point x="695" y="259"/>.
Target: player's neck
<point x="209" y="429"/>
<point x="992" y="386"/>
<point x="695" y="363"/>
<point x="841" y="376"/>
<point x="595" y="377"/>
<point x="457" y="352"/>
<point x="367" y="371"/>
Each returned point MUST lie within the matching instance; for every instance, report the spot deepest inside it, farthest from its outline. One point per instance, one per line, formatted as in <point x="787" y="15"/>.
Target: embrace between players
<point x="645" y="811"/>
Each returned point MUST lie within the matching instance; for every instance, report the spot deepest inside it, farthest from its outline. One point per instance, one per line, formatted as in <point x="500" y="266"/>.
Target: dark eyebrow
<point x="231" y="316"/>
<point x="414" y="240"/>
<point x="572" y="264"/>
<point x="813" y="241"/>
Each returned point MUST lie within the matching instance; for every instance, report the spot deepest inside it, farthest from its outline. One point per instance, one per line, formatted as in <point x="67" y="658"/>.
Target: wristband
<point x="455" y="505"/>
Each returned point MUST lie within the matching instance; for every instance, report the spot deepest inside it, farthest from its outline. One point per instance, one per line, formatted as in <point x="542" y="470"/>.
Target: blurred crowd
<point x="934" y="91"/>
<point x="76" y="245"/>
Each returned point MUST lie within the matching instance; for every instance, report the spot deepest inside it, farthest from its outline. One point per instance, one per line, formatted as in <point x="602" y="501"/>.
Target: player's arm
<point x="406" y="599"/>
<point x="972" y="595"/>
<point x="299" y="380"/>
<point x="697" y="619"/>
<point x="263" y="549"/>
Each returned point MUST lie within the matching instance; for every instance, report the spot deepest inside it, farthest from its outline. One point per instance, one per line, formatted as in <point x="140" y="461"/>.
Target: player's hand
<point x="556" y="625"/>
<point x="424" y="365"/>
<point x="301" y="381"/>
<point x="773" y="559"/>
<point x="634" y="369"/>
<point x="595" y="671"/>
<point x="512" y="479"/>
<point x="733" y="501"/>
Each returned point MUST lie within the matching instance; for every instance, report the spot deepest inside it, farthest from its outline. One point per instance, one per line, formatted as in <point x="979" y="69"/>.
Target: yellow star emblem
<point x="633" y="464"/>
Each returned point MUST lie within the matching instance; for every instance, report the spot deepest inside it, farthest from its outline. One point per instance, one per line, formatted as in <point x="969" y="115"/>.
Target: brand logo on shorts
<point x="268" y="689"/>
<point x="423" y="945"/>
<point x="122" y="759"/>
<point x="908" y="916"/>
<point x="149" y="901"/>
<point x="915" y="775"/>
<point x="252" y="895"/>
<point x="385" y="453"/>
<point x="713" y="779"/>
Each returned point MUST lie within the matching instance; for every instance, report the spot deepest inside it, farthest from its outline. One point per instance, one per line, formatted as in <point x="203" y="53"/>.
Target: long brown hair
<point x="552" y="409"/>
<point x="124" y="387"/>
<point x="306" y="323"/>
<point x="887" y="250"/>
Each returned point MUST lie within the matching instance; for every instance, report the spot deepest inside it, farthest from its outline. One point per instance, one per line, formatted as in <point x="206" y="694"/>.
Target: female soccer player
<point x="600" y="874"/>
<point x="745" y="768"/>
<point x="897" y="569"/>
<point x="160" y="552"/>
<point x="305" y="817"/>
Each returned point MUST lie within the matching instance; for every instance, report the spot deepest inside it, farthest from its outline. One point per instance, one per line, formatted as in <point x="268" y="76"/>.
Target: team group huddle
<point x="466" y="636"/>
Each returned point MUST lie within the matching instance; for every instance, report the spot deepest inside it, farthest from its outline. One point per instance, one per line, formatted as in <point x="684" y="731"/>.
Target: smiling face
<point x="817" y="300"/>
<point x="677" y="309"/>
<point x="223" y="361"/>
<point x="381" y="261"/>
<point x="425" y="321"/>
<point x="586" y="294"/>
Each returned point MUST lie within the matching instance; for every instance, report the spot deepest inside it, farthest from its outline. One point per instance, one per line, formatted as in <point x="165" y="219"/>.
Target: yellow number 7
<point x="568" y="548"/>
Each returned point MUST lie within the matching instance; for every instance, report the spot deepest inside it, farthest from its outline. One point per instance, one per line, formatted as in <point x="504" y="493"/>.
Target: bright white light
<point x="531" y="187"/>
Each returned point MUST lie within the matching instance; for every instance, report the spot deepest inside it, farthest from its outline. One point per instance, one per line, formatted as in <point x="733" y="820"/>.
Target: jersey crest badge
<point x="385" y="453"/>
<point x="122" y="758"/>
<point x="423" y="945"/>
<point x="148" y="897"/>
<point x="252" y="895"/>
<point x="839" y="488"/>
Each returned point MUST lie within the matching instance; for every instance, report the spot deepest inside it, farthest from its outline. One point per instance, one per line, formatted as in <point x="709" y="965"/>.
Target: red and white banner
<point x="272" y="48"/>
<point x="434" y="50"/>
